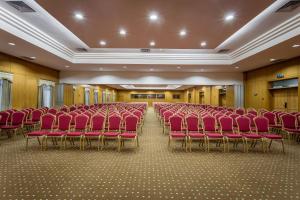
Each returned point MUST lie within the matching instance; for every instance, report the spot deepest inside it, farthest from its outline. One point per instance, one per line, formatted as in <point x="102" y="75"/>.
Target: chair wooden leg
<point x="207" y="145"/>
<point x="62" y="142"/>
<point x="224" y="145"/>
<point x="137" y="142"/>
<point x="119" y="144"/>
<point x="190" y="144"/>
<point x="263" y="145"/>
<point x="169" y="142"/>
<point x="246" y="144"/>
<point x="270" y="144"/>
<point x="102" y="142"/>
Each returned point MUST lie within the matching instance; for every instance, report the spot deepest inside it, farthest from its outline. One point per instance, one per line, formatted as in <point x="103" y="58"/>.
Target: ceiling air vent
<point x="223" y="50"/>
<point x="278" y="61"/>
<point x="145" y="50"/>
<point x="27" y="58"/>
<point x="20" y="6"/>
<point x="81" y="49"/>
<point x="289" y="6"/>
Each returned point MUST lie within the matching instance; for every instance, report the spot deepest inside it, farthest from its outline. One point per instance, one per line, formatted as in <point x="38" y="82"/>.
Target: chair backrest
<point x="192" y="123"/>
<point x="252" y="112"/>
<point x="271" y="117"/>
<point x="261" y="124"/>
<point x="240" y="111"/>
<point x="167" y="115"/>
<point x="17" y="118"/>
<point x="131" y="122"/>
<point x="52" y="111"/>
<point x="47" y="121"/>
<point x="209" y="123"/>
<point x="64" y="122"/>
<point x="251" y="117"/>
<point x="97" y="122"/>
<point x="4" y="118"/>
<point x="226" y="124"/>
<point x="234" y="116"/>
<point x="114" y="123"/>
<point x="289" y="121"/>
<point x="243" y="123"/>
<point x="81" y="122"/>
<point x="176" y="123"/>
<point x="36" y="115"/>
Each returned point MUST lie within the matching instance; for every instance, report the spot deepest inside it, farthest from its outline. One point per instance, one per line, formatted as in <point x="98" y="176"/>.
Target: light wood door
<point x="285" y="99"/>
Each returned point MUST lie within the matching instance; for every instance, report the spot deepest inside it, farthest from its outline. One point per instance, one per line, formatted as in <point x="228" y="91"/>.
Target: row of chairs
<point x="288" y="124"/>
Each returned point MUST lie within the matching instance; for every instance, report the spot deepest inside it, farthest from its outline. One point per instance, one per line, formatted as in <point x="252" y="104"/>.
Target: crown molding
<point x="286" y="30"/>
<point x="14" y="25"/>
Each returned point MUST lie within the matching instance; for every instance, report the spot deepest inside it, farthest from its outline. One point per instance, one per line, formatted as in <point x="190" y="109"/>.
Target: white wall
<point x="207" y="78"/>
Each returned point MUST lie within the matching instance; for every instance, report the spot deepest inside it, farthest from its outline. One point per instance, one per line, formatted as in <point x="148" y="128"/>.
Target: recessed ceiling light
<point x="125" y="67"/>
<point x="152" y="43"/>
<point x="296" y="45"/>
<point x="178" y="67"/>
<point x="33" y="57"/>
<point x="100" y="68"/>
<point x="203" y="44"/>
<point x="67" y="66"/>
<point x="272" y="59"/>
<point x="151" y="69"/>
<point x="79" y="16"/>
<point x="153" y="17"/>
<point x="237" y="67"/>
<point x="229" y="17"/>
<point x="102" y="42"/>
<point x="123" y="32"/>
<point x="182" y="33"/>
<point x="11" y="44"/>
<point x="201" y="70"/>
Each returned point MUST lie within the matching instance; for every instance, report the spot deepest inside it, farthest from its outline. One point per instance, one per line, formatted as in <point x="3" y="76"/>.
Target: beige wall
<point x="25" y="79"/>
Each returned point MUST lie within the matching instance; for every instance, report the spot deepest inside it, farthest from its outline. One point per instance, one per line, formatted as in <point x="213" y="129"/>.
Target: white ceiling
<point x="41" y="35"/>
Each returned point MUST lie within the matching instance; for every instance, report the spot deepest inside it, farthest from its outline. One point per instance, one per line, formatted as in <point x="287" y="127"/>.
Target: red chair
<point x="4" y="118"/>
<point x="114" y="129"/>
<point x="97" y="127"/>
<point x="227" y="129"/>
<point x="35" y="119"/>
<point x="194" y="132"/>
<point x="240" y="111"/>
<point x="272" y="120"/>
<point x="166" y="120"/>
<point x="289" y="125"/>
<point x="52" y="111"/>
<point x="176" y="133"/>
<point x="209" y="128"/>
<point x="262" y="128"/>
<point x="81" y="122"/>
<point x="64" y="123"/>
<point x="47" y="123"/>
<point x="17" y="122"/>
<point x="130" y="132"/>
<point x="244" y="129"/>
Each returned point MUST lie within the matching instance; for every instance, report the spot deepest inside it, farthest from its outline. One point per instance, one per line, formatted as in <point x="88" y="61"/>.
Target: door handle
<point x="285" y="104"/>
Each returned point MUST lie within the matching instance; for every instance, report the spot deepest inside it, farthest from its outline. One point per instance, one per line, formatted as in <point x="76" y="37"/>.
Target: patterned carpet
<point x="150" y="172"/>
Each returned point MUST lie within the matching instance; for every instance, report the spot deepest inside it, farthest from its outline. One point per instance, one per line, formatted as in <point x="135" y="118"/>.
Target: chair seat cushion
<point x="292" y="130"/>
<point x="177" y="134"/>
<point x="232" y="135"/>
<point x="110" y="134"/>
<point x="275" y="126"/>
<point x="37" y="133"/>
<point x="56" y="134"/>
<point x="128" y="135"/>
<point x="252" y="136"/>
<point x="74" y="134"/>
<point x="196" y="135"/>
<point x="10" y="127"/>
<point x="273" y="136"/>
<point x="28" y="123"/>
<point x="92" y="134"/>
<point x="214" y="135"/>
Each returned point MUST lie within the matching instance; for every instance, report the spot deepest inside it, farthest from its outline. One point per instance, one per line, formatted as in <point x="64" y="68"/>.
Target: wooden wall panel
<point x="125" y="96"/>
<point x="25" y="80"/>
<point x="68" y="95"/>
<point x="258" y="95"/>
<point x="229" y="96"/>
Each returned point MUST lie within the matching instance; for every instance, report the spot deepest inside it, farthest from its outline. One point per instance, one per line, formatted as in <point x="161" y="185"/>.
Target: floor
<point x="150" y="172"/>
